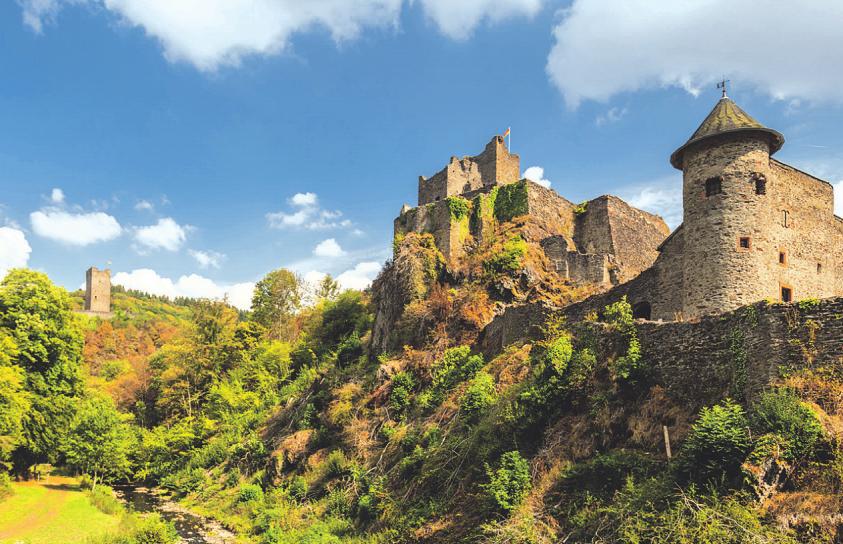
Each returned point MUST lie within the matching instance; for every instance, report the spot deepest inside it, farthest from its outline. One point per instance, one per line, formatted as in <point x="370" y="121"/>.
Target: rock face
<point x="416" y="265"/>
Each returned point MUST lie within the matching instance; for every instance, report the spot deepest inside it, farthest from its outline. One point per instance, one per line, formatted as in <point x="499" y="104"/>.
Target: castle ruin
<point x="98" y="291"/>
<point x="604" y="241"/>
<point x="753" y="229"/>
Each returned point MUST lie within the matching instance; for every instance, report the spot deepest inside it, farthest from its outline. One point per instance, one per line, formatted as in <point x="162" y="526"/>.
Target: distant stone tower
<point x="731" y="219"/>
<point x="98" y="290"/>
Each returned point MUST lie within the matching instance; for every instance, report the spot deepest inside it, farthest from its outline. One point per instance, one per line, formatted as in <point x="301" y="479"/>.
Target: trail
<point x="43" y="512"/>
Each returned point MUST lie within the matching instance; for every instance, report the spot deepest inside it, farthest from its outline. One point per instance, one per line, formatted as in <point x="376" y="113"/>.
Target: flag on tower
<point x="506" y="132"/>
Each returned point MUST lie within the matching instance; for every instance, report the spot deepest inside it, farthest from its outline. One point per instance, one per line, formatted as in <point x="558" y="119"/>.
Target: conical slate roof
<point x="727" y="117"/>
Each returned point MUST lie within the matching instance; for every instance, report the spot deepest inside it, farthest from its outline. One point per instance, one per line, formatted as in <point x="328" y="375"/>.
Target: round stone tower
<point x="727" y="208"/>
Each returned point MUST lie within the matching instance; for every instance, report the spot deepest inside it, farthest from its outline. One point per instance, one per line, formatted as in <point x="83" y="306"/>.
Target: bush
<point x="558" y="354"/>
<point x="302" y="356"/>
<point x="782" y="413"/>
<point x="349" y="350"/>
<point x="5" y="486"/>
<point x="104" y="500"/>
<point x="249" y="493"/>
<point x="510" y="483"/>
<point x="459" y="207"/>
<point x="297" y="488"/>
<point x="479" y="396"/>
<point x="508" y="259"/>
<point x="401" y="394"/>
<point x="336" y="464"/>
<point x="149" y="529"/>
<point x="457" y="365"/>
<point x="511" y="201"/>
<point x="717" y="444"/>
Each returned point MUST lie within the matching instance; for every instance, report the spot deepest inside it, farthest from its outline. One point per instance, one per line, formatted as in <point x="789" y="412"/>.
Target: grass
<point x="54" y="511"/>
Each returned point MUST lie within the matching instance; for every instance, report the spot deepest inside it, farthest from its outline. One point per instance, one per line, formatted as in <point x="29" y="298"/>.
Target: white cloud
<point x="78" y="229"/>
<point x="304" y="199"/>
<point x="328" y="248"/>
<point x="57" y="196"/>
<point x="166" y="234"/>
<point x="838" y="199"/>
<point x="193" y="285"/>
<point x="612" y="115"/>
<point x="14" y="250"/>
<point x="662" y="197"/>
<point x="458" y="19"/>
<point x="214" y="33"/>
<point x="360" y="276"/>
<point x="604" y="47"/>
<point x="144" y="205"/>
<point x="536" y="174"/>
<point x="207" y="259"/>
<point x="308" y="215"/>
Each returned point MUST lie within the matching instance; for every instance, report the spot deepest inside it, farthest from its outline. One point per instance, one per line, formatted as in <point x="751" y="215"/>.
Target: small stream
<point x="192" y="529"/>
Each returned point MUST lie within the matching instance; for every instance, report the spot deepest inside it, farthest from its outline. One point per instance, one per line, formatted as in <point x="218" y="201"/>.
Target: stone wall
<point x="736" y="354"/>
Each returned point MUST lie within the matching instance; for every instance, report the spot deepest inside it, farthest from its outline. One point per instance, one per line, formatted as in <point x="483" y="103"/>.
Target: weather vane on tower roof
<point x="722" y="85"/>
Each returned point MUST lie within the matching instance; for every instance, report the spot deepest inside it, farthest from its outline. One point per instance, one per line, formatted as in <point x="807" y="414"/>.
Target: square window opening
<point x="744" y="242"/>
<point x="713" y="186"/>
<point x="787" y="294"/>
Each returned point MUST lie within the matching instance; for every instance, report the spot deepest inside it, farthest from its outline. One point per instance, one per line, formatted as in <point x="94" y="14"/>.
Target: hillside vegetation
<point x="288" y="426"/>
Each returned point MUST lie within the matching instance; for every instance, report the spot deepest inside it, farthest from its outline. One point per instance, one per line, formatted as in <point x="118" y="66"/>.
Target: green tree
<point x="328" y="288"/>
<point x="36" y="316"/>
<point x="276" y="299"/>
<point x="14" y="401"/>
<point x="718" y="443"/>
<point x="99" y="441"/>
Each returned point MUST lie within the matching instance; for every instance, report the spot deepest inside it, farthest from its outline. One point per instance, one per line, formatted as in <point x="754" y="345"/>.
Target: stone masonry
<point x="602" y="242"/>
<point x="98" y="291"/>
<point x="753" y="228"/>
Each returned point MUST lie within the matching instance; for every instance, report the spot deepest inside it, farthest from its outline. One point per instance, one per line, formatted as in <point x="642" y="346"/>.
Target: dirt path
<point x="44" y="511"/>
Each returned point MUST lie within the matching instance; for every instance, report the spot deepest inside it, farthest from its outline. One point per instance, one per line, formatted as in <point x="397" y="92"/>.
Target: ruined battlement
<point x="494" y="166"/>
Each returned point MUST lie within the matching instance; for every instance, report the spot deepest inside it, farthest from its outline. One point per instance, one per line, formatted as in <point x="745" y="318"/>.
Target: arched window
<point x="642" y="310"/>
<point x="713" y="186"/>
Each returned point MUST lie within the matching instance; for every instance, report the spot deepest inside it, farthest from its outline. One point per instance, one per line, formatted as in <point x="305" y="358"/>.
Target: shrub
<point x="717" y="444"/>
<point x="349" y="350"/>
<point x="5" y="486"/>
<point x="781" y="412"/>
<point x="478" y="397"/>
<point x="302" y="356"/>
<point x="336" y="464"/>
<point x="511" y="201"/>
<point x="298" y="488"/>
<point x="558" y="354"/>
<point x="249" y="493"/>
<point x="459" y="207"/>
<point x="508" y="259"/>
<point x="457" y="365"/>
<point x="510" y="483"/>
<point x="104" y="500"/>
<point x="401" y="394"/>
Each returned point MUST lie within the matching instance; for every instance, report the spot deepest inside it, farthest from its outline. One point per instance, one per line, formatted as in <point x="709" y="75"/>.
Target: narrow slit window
<point x="782" y="258"/>
<point x="785" y="219"/>
<point x="819" y="268"/>
<point x="713" y="186"/>
<point x="744" y="242"/>
<point x="787" y="294"/>
<point x="760" y="185"/>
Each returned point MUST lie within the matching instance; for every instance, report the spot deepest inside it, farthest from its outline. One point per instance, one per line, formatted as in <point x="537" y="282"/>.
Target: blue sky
<point x="173" y="143"/>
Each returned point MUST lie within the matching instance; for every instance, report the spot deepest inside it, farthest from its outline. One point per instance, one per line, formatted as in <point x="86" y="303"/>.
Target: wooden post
<point x="667" y="442"/>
